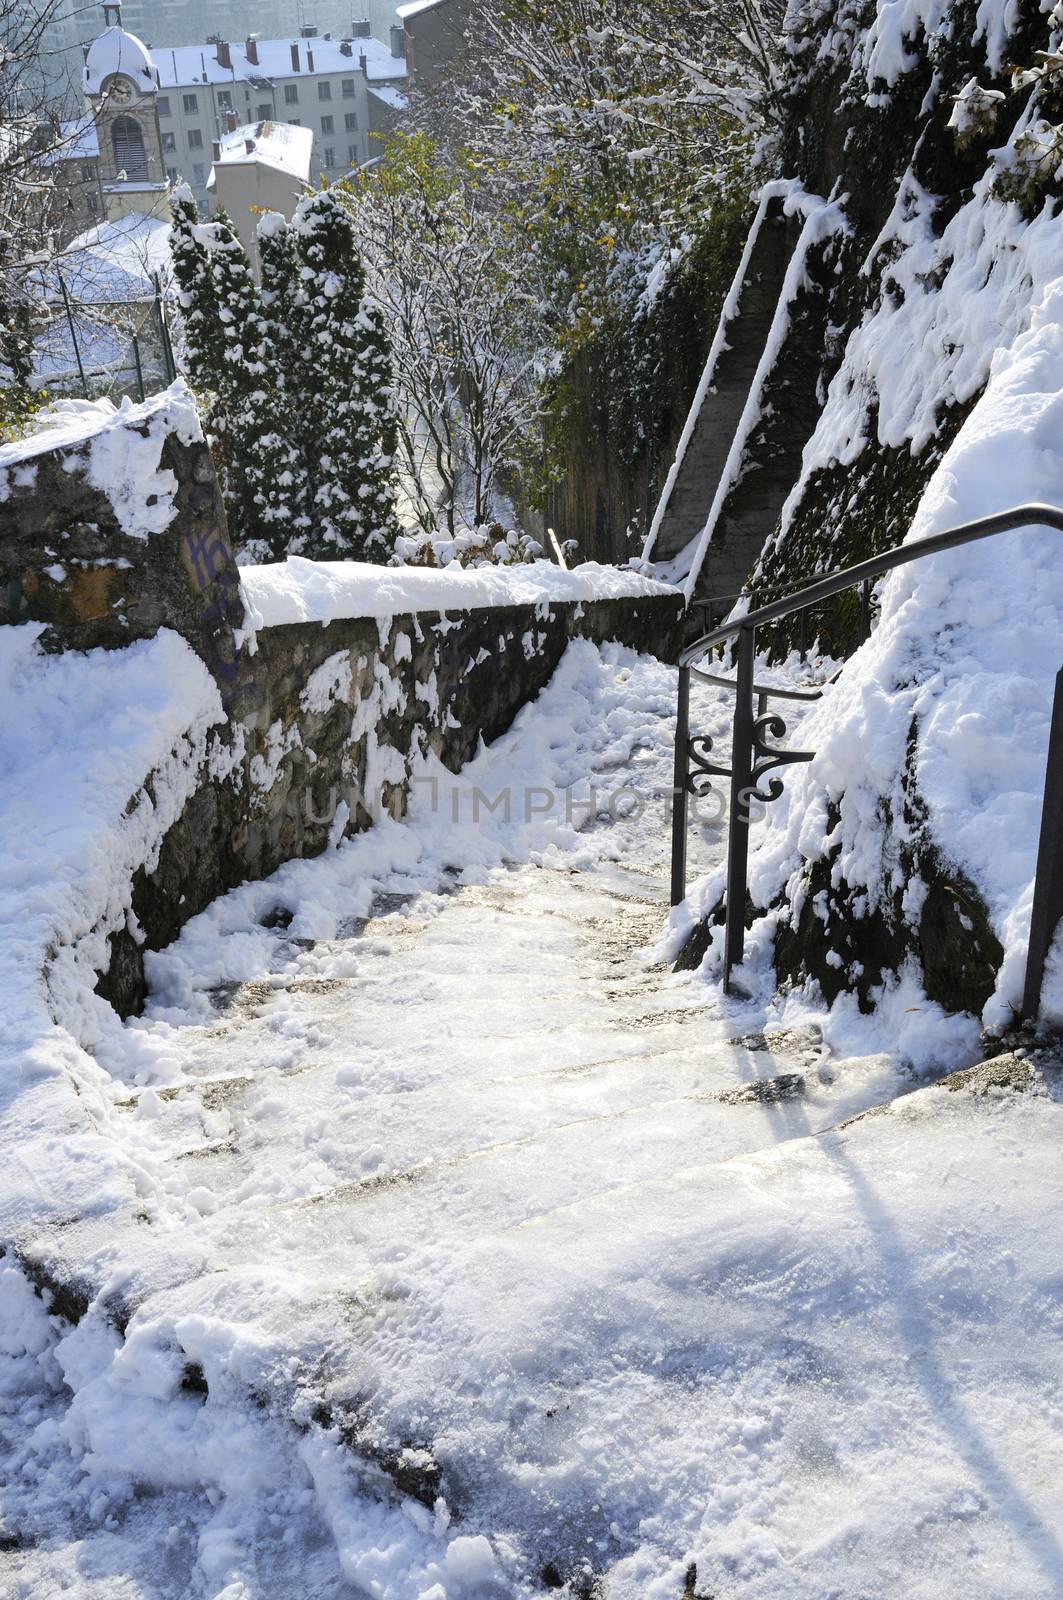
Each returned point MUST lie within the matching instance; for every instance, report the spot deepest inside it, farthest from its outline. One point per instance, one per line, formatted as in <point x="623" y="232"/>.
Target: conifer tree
<point x="345" y="390"/>
<point x="278" y="477"/>
<point x="242" y="382"/>
<point x="204" y="341"/>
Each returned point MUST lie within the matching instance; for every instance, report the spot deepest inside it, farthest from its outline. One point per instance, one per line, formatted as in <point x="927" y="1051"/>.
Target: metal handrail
<point x="754" y="751"/>
<point x="763" y="691"/>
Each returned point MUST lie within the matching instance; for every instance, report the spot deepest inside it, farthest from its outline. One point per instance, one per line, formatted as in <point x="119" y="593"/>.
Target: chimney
<point x="308" y="32"/>
<point x="225" y="55"/>
<point x="309" y="59"/>
<point x="363" y="63"/>
<point x="249" y="146"/>
<point x="215" y="150"/>
<point x="346" y="47"/>
<point x="398" y="43"/>
<point x="295" y="57"/>
<point x="251" y="47"/>
<point x="230" y="122"/>
<point x="361" y="29"/>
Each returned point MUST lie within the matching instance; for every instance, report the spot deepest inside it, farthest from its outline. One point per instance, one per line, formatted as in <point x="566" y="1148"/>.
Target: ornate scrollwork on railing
<point x="700" y="771"/>
<point x="766" y="757"/>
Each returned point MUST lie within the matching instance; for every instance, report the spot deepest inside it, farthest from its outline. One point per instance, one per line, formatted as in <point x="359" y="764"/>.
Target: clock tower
<point x="122" y="88"/>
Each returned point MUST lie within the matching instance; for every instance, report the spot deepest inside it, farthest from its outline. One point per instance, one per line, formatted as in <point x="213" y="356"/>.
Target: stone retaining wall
<point x="322" y="722"/>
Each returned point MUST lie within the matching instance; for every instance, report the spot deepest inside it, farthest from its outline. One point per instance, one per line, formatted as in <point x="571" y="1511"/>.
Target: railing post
<point x="741" y="785"/>
<point x="680" y="774"/>
<point x="139" y="368"/>
<point x="1048" y="884"/>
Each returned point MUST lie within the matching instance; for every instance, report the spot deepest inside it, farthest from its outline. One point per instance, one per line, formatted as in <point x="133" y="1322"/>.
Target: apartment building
<point x="343" y="90"/>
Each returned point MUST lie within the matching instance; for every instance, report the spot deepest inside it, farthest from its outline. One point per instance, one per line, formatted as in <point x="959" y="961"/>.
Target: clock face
<point x="122" y="91"/>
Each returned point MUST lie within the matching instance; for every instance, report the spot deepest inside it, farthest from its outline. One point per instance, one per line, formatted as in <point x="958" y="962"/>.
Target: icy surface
<point x="461" y="1249"/>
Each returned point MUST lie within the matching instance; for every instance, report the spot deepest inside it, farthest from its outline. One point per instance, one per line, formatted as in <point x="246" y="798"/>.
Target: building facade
<point x="162" y="23"/>
<point x="343" y="90"/>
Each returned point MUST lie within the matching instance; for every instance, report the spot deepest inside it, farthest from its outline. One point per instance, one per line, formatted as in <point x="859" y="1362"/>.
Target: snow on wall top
<point x="119" y="51"/>
<point x="188" y="65"/>
<point x="118" y="448"/>
<point x="298" y="590"/>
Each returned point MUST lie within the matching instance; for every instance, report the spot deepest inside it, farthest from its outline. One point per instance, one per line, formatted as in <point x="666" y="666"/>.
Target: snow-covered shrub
<point x="489" y="545"/>
<point x="294" y="379"/>
<point x="343" y="391"/>
<point x="975" y="112"/>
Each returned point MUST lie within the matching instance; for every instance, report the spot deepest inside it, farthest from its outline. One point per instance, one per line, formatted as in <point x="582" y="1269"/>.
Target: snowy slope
<point x="958" y="314"/>
<point x="471" y="1254"/>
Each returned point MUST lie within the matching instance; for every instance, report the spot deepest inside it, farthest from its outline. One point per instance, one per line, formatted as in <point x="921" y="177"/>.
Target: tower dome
<point x="116" y="53"/>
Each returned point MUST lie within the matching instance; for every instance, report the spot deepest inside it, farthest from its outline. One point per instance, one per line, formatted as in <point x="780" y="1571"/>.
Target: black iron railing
<point x="755" y="752"/>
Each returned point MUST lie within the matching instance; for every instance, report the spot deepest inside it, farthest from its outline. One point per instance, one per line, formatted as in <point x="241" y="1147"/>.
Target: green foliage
<point x="294" y="380"/>
<point x="646" y="358"/>
<point x="615" y="147"/>
<point x="197" y="296"/>
<point x="18" y="406"/>
<point x="344" y="394"/>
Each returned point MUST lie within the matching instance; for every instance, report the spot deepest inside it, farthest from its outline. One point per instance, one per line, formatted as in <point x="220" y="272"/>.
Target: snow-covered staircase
<point x="475" y="1257"/>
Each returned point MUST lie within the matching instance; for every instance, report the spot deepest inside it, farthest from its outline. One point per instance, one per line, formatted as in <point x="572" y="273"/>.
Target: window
<point x="263" y="112"/>
<point x="352" y="154"/>
<point x="191" y="103"/>
<point x="295" y="123"/>
<point x="324" y="91"/>
<point x="169" y="141"/>
<point x="195" y="138"/>
<point x="348" y="88"/>
<point x="171" y="173"/>
<point x="328" y="125"/>
<point x="330" y="157"/>
<point x="198" y="172"/>
<point x="291" y="94"/>
<point x="225" y="100"/>
<point x="127" y="144"/>
<point x="164" y="105"/>
<point x="350" y="122"/>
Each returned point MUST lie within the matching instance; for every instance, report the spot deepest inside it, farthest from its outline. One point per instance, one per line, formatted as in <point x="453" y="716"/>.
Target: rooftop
<point x="270" y="144"/>
<point x="188" y="65"/>
<point x="417" y="6"/>
<point x="116" y="51"/>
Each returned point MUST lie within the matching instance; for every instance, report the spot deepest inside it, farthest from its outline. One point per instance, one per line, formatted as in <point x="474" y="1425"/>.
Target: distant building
<point x="435" y="34"/>
<point x="72" y="161"/>
<point x="264" y="166"/>
<point x="180" y="22"/>
<point x="121" y="86"/>
<point x="341" y="90"/>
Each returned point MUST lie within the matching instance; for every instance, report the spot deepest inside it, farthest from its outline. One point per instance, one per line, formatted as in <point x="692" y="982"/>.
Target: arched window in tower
<point x="130" y="156"/>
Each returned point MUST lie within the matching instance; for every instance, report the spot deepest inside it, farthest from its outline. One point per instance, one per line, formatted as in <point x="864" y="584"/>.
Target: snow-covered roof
<point x="188" y="65"/>
<point x="116" y="261"/>
<point x="417" y="6"/>
<point x="390" y="96"/>
<point x="77" y="141"/>
<point x="271" y="144"/>
<point x="118" y="51"/>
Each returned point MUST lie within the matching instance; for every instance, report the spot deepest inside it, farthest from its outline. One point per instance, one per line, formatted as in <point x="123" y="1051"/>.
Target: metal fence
<point x="100" y="347"/>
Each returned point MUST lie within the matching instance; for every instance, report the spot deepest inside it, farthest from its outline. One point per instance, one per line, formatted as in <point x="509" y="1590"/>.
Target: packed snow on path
<point x="466" y="1254"/>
